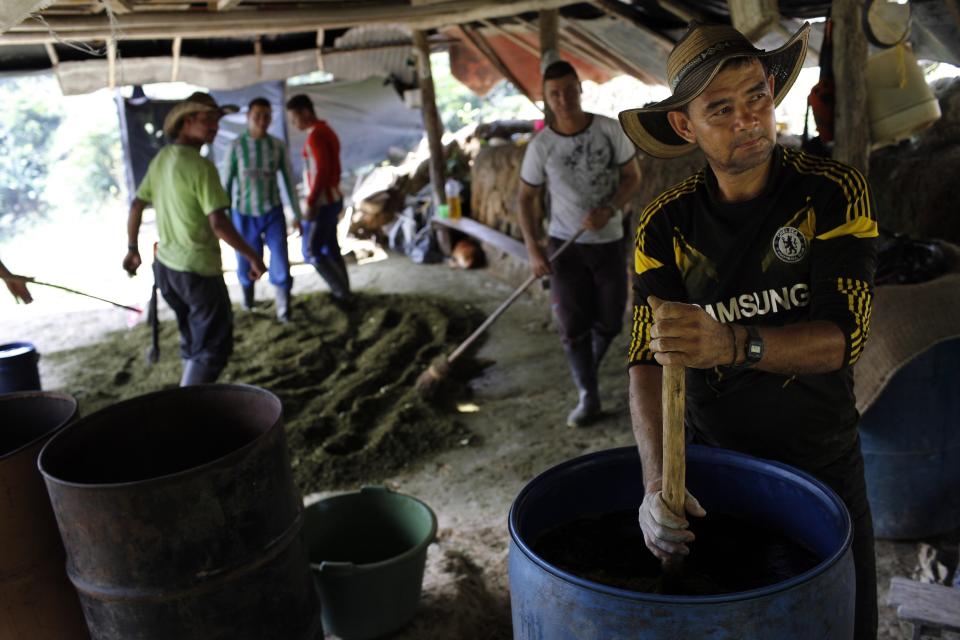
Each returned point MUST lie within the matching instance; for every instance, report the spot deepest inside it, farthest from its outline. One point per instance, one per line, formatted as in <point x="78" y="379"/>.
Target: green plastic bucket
<point x="368" y="550"/>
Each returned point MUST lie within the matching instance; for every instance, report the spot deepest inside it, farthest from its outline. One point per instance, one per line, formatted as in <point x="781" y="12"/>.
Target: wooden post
<point x="549" y="21"/>
<point x="54" y="61"/>
<point x="851" y="126"/>
<point x="321" y="35"/>
<point x="549" y="41"/>
<point x="674" y="450"/>
<point x="112" y="64"/>
<point x="175" y="66"/>
<point x="433" y="127"/>
<point x="258" y="54"/>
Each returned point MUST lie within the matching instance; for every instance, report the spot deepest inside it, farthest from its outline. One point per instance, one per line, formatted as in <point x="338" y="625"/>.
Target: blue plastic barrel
<point x="18" y="367"/>
<point x="910" y="439"/>
<point x="551" y="604"/>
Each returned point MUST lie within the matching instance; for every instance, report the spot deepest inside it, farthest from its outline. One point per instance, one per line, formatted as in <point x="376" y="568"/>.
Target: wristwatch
<point x="753" y="350"/>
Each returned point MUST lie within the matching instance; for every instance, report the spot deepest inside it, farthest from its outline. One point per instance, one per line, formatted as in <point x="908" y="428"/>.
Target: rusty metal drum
<point x="37" y="600"/>
<point x="181" y="520"/>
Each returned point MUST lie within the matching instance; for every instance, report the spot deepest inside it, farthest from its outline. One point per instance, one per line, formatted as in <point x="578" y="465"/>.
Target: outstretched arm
<point x="665" y="533"/>
<point x="132" y="260"/>
<point x="225" y="230"/>
<point x="529" y="197"/>
<point x="17" y="285"/>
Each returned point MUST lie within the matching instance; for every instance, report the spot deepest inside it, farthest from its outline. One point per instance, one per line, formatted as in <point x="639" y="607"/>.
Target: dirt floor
<point x="502" y="429"/>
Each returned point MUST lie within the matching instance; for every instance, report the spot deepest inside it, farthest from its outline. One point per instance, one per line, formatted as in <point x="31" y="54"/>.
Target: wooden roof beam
<point x="588" y="41"/>
<point x="574" y="47"/>
<point x="119" y="7"/>
<point x="618" y="10"/>
<point x="682" y="10"/>
<point x="512" y="37"/>
<point x="329" y="15"/>
<point x="488" y="52"/>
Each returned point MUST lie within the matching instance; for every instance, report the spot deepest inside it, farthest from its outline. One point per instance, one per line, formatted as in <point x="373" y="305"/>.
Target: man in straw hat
<point x="587" y="166"/>
<point x="756" y="274"/>
<point x="191" y="205"/>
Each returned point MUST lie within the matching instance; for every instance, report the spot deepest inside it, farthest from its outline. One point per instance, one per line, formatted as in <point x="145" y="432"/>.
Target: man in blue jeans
<point x="254" y="161"/>
<point x="185" y="191"/>
<point x="323" y="201"/>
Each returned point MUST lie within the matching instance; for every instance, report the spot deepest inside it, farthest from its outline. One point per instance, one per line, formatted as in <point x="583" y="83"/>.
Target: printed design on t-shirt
<point x="641" y="259"/>
<point x="588" y="164"/>
<point x="803" y="221"/>
<point x="789" y="244"/>
<point x="860" y="305"/>
<point x="699" y="273"/>
<point x="760" y="303"/>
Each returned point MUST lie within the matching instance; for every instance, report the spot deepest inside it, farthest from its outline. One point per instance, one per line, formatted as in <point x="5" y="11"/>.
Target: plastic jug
<point x="452" y="189"/>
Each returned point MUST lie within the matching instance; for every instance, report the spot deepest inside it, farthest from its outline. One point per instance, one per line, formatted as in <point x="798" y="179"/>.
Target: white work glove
<point x="664" y="532"/>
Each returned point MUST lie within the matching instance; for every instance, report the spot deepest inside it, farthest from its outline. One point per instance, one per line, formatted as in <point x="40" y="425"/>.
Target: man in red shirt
<point x="324" y="201"/>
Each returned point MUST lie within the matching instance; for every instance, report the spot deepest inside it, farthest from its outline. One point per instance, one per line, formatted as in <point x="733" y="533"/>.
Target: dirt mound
<point x="345" y="378"/>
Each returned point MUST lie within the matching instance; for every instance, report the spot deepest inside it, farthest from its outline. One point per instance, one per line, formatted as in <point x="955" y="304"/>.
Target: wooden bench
<point x="485" y="235"/>
<point x="930" y="607"/>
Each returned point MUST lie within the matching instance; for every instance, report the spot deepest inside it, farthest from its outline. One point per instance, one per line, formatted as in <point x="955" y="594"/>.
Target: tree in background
<point x="28" y="122"/>
<point x="459" y="106"/>
<point x="59" y="155"/>
<point x="91" y="164"/>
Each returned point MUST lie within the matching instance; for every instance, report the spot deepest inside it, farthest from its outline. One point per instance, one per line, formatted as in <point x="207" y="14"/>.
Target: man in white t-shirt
<point x="587" y="165"/>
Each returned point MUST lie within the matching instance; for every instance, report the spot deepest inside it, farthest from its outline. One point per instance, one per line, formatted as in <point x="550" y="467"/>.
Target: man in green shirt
<point x="184" y="189"/>
<point x="252" y="166"/>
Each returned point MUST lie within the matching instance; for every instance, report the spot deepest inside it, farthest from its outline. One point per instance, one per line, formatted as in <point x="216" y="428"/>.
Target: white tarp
<point x="213" y="73"/>
<point x="13" y="12"/>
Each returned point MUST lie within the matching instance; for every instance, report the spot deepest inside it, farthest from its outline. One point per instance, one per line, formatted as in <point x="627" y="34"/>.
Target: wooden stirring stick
<point x="674" y="452"/>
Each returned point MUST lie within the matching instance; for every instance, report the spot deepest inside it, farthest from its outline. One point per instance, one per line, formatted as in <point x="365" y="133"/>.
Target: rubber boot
<point x="600" y="345"/>
<point x="342" y="270"/>
<point x="582" y="366"/>
<point x="195" y="372"/>
<point x="283" y="304"/>
<point x="328" y="270"/>
<point x="247" y="303"/>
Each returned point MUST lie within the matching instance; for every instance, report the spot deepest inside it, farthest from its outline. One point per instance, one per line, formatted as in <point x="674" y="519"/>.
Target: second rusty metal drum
<point x="36" y="599"/>
<point x="181" y="520"/>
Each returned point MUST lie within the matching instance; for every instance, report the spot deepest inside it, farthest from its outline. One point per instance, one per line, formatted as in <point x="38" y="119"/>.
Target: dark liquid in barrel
<point x="728" y="556"/>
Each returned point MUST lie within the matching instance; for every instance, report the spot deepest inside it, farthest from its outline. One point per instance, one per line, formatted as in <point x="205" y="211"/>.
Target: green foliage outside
<point x="459" y="107"/>
<point x="58" y="155"/>
<point x="27" y="124"/>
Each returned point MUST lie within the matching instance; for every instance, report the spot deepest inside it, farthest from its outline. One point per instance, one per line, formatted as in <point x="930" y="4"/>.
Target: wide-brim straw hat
<point x="692" y="65"/>
<point x="198" y="102"/>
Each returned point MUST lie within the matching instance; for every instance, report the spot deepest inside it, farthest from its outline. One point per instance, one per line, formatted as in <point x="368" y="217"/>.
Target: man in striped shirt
<point x="253" y="163"/>
<point x="324" y="201"/>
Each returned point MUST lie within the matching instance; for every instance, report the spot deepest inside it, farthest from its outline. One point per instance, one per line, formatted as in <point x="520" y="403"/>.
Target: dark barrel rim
<point x="716" y="454"/>
<point x="82" y="423"/>
<point x="50" y="433"/>
<point x="10" y="346"/>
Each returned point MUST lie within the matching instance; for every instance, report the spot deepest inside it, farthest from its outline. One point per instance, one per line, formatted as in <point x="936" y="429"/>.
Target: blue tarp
<point x="368" y="116"/>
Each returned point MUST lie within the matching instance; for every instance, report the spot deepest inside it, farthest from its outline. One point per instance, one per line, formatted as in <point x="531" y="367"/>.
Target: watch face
<point x="754" y="350"/>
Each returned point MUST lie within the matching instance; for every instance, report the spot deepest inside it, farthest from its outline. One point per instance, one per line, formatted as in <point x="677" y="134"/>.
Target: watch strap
<point x="753" y="350"/>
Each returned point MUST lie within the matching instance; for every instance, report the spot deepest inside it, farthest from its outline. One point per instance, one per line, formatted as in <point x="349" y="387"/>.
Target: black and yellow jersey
<point x="803" y="250"/>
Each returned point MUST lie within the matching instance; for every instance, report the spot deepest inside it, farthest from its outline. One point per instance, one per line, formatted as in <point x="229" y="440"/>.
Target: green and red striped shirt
<point x="252" y="167"/>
